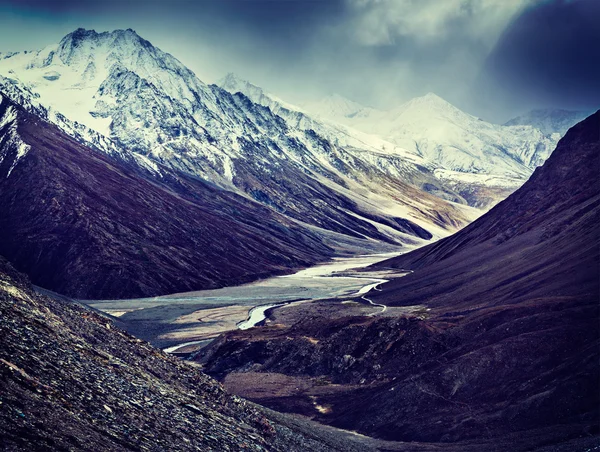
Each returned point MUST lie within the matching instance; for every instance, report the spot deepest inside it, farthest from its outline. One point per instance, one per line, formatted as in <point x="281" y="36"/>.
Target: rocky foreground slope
<point x="70" y="380"/>
<point x="493" y="338"/>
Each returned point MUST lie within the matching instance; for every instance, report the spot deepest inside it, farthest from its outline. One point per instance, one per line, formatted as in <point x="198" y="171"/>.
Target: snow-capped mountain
<point x="336" y="107"/>
<point x="234" y="84"/>
<point x="371" y="151"/>
<point x="549" y="121"/>
<point x="469" y="154"/>
<point x="440" y="132"/>
<point x="480" y="161"/>
<point x="91" y="225"/>
<point x="152" y="108"/>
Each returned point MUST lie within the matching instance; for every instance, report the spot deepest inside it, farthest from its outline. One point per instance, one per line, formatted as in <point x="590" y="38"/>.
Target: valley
<point x="493" y="329"/>
<point x="193" y="264"/>
<point x="181" y="320"/>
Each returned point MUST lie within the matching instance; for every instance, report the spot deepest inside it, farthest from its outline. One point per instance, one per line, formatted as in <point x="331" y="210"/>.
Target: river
<point x="180" y="320"/>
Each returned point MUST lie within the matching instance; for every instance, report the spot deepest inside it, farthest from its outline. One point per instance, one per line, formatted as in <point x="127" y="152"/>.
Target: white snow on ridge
<point x="479" y="179"/>
<point x="335" y="106"/>
<point x="22" y="150"/>
<point x="426" y="131"/>
<point x="453" y="140"/>
<point x="9" y="116"/>
<point x="12" y="142"/>
<point x="147" y="163"/>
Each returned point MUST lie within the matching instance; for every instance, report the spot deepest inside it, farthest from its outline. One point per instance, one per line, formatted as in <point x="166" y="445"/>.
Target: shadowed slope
<point x="515" y="299"/>
<point x="90" y="226"/>
<point x="542" y="240"/>
<point x="71" y="380"/>
<point x="493" y="338"/>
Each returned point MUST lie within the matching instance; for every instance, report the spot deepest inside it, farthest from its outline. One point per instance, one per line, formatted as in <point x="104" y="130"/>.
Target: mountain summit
<point x="335" y="107"/>
<point x="549" y="121"/>
<point x="482" y="162"/>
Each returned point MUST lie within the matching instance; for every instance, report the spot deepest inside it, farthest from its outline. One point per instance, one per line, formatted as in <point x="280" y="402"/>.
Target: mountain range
<point x="341" y="189"/>
<point x="482" y="162"/>
<point x="117" y="93"/>
<point x="122" y="175"/>
<point x="121" y="98"/>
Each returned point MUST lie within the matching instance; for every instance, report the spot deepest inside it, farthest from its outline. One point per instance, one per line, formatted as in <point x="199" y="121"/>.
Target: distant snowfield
<point x="431" y="132"/>
<point x="440" y="133"/>
<point x="65" y="89"/>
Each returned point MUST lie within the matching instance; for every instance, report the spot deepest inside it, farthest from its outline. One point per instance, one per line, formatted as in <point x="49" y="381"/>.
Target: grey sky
<point x="377" y="52"/>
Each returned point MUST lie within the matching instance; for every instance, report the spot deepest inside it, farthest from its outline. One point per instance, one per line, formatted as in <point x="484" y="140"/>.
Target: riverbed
<point x="176" y="321"/>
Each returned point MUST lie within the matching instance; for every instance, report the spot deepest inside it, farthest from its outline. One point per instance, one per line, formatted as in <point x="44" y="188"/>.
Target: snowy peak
<point x="88" y="47"/>
<point x="235" y="84"/>
<point x="90" y="66"/>
<point x="232" y="83"/>
<point x="82" y="38"/>
<point x="86" y="55"/>
<point x="462" y="147"/>
<point x="345" y="111"/>
<point x="334" y="107"/>
<point x="430" y="105"/>
<point x="549" y="121"/>
<point x="430" y="99"/>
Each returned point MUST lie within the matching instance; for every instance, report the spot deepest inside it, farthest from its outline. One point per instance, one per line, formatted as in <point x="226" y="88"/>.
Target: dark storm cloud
<point x="549" y="56"/>
<point x="378" y="52"/>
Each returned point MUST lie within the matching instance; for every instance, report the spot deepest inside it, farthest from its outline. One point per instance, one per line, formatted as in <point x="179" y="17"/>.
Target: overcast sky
<point x="493" y="58"/>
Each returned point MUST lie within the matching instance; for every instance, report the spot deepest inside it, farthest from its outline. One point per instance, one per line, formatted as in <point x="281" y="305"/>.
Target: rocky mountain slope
<point x="493" y="337"/>
<point x="151" y="106"/>
<point x="372" y="151"/>
<point x="90" y="225"/>
<point x="71" y="380"/>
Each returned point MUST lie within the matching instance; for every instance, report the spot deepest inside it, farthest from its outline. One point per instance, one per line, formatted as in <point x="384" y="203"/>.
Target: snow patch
<point x="22" y="150"/>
